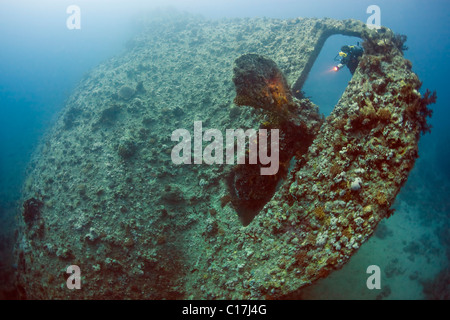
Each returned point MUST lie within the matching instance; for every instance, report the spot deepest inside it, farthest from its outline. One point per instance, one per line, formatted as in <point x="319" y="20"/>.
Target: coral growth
<point x="381" y="198"/>
<point x="31" y="211"/>
<point x="126" y="93"/>
<point x="319" y="213"/>
<point x="109" y="115"/>
<point x="149" y="230"/>
<point x="418" y="110"/>
<point x="126" y="148"/>
<point x="260" y="84"/>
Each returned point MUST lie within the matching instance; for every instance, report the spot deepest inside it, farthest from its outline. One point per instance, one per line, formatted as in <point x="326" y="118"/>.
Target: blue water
<point x="41" y="61"/>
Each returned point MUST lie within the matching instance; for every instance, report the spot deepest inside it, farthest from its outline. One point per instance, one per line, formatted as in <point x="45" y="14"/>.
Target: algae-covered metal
<point x="141" y="227"/>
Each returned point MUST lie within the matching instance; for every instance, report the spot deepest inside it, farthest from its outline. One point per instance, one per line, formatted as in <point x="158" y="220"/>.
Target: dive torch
<point x="338" y="67"/>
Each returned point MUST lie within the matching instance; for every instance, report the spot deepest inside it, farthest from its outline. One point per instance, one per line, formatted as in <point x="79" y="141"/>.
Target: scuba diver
<point x="349" y="56"/>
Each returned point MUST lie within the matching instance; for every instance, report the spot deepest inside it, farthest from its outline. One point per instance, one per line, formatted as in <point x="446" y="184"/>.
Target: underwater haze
<point x="48" y="71"/>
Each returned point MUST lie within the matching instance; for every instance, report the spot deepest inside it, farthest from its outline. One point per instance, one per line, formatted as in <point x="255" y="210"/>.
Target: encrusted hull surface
<point x="141" y="227"/>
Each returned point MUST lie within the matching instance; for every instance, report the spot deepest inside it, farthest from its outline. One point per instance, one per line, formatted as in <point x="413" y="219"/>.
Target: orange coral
<point x="384" y="115"/>
<point x="347" y="196"/>
<point x="242" y="100"/>
<point x="323" y="273"/>
<point x="301" y="258"/>
<point x="319" y="213"/>
<point x="381" y="198"/>
<point x="311" y="271"/>
<point x="347" y="233"/>
<point x="278" y="93"/>
<point x="335" y="169"/>
<point x="332" y="260"/>
<point x="340" y="123"/>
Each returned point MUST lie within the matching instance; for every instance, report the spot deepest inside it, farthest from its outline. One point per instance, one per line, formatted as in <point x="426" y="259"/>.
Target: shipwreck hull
<point x="140" y="227"/>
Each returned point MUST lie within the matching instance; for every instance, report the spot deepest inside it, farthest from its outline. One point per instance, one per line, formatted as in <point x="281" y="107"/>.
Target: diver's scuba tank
<point x="348" y="54"/>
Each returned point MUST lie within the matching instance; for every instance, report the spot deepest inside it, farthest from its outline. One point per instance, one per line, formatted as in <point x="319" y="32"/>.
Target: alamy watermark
<point x="374" y="280"/>
<point x="213" y="152"/>
<point x="74" y="20"/>
<point x="374" y="21"/>
<point x="74" y="280"/>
